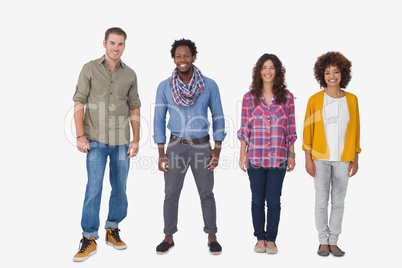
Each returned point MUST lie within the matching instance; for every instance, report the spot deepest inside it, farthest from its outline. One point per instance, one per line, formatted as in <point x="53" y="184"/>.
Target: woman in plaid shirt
<point x="267" y="135"/>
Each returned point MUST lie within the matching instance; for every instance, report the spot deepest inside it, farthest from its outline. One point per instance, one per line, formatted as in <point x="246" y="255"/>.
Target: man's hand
<point x="163" y="162"/>
<point x="83" y="145"/>
<point x="215" y="156"/>
<point x="133" y="149"/>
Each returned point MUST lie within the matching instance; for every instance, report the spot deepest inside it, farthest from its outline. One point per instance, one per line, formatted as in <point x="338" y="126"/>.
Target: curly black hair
<point x="183" y="42"/>
<point x="333" y="58"/>
<point x="279" y="88"/>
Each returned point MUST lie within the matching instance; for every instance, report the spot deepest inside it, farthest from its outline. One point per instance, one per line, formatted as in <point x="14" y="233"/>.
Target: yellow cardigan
<point x="314" y="133"/>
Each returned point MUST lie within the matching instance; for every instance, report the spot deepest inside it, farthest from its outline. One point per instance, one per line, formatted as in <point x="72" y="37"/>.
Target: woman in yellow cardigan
<point x="331" y="141"/>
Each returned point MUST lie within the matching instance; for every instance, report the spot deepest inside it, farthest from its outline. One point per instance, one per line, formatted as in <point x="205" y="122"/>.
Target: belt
<point x="190" y="141"/>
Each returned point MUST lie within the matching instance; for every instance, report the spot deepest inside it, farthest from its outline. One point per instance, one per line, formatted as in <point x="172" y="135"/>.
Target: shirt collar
<point x="121" y="63"/>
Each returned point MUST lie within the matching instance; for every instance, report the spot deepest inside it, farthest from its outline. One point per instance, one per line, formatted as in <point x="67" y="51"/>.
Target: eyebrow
<point x="110" y="41"/>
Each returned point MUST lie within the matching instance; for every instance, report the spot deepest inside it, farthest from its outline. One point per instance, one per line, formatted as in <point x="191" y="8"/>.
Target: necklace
<point x="336" y="97"/>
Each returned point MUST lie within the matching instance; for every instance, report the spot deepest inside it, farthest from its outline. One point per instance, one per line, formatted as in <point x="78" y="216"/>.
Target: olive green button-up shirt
<point x="108" y="97"/>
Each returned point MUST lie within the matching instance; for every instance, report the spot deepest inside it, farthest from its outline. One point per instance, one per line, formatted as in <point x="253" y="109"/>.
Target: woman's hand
<point x="354" y="166"/>
<point x="243" y="162"/>
<point x="291" y="164"/>
<point x="310" y="167"/>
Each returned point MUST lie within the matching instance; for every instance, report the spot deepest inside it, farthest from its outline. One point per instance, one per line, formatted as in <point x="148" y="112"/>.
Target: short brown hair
<point x="333" y="58"/>
<point x="115" y="30"/>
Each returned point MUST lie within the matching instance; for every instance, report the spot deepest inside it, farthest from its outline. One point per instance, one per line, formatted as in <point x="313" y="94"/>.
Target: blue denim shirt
<point x="188" y="122"/>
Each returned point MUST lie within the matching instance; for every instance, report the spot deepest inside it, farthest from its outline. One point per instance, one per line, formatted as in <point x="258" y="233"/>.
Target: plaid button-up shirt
<point x="267" y="130"/>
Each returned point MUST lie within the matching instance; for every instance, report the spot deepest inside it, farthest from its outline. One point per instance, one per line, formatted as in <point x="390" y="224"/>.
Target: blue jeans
<point x="266" y="185"/>
<point x="119" y="164"/>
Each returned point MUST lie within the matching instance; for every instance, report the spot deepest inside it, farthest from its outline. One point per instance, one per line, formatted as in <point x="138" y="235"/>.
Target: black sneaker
<point x="164" y="247"/>
<point x="215" y="248"/>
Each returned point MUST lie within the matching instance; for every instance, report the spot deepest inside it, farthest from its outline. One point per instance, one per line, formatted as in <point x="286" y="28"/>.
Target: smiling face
<point x="268" y="72"/>
<point x="332" y="76"/>
<point x="114" y="45"/>
<point x="184" y="60"/>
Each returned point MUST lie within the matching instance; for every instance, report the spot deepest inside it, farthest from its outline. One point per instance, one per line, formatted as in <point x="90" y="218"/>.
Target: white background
<point x="43" y="47"/>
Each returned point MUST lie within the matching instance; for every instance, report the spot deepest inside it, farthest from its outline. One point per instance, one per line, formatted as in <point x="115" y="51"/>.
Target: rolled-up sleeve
<point x="291" y="135"/>
<point x="133" y="97"/>
<point x="244" y="132"/>
<point x="161" y="107"/>
<point x="218" y="119"/>
<point x="83" y="86"/>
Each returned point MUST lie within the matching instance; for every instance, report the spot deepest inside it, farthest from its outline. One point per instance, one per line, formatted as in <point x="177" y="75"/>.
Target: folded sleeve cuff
<point x="241" y="136"/>
<point x="134" y="104"/>
<point x="159" y="139"/>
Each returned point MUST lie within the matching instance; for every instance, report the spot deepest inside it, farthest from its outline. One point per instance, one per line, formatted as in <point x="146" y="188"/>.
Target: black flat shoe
<point x="323" y="253"/>
<point x="215" y="248"/>
<point x="164" y="247"/>
<point x="338" y="252"/>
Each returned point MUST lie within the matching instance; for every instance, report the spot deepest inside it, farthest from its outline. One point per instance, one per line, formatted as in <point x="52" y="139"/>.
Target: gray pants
<point x="331" y="178"/>
<point x="180" y="157"/>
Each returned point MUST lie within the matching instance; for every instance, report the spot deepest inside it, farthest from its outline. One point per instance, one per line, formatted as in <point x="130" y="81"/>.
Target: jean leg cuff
<point x="89" y="235"/>
<point x="110" y="224"/>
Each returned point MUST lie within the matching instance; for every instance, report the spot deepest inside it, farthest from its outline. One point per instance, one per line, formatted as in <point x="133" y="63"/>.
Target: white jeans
<point x="331" y="177"/>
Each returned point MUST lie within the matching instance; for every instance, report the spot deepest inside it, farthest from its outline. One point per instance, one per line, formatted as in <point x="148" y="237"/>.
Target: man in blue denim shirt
<point x="187" y="95"/>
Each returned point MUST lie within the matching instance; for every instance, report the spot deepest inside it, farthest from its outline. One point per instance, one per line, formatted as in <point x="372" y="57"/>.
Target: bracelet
<point x="291" y="155"/>
<point x="81" y="136"/>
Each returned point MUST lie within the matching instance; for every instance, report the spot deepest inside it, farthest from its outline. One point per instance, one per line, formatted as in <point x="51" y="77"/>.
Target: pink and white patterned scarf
<point x="186" y="95"/>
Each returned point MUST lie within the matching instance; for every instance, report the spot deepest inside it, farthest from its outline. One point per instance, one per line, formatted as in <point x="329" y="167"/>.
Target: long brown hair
<point x="279" y="88"/>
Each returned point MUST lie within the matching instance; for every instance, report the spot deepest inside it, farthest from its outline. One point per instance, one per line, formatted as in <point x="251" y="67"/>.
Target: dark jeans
<point x="266" y="185"/>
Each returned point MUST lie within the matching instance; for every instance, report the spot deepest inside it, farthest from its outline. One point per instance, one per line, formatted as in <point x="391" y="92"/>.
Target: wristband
<point x="291" y="155"/>
<point x="81" y="136"/>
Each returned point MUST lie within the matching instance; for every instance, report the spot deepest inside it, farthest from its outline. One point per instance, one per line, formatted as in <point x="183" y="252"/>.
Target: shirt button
<point x="112" y="107"/>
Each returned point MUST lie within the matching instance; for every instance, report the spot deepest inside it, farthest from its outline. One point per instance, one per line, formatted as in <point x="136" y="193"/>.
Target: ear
<point x="104" y="43"/>
<point x="194" y="58"/>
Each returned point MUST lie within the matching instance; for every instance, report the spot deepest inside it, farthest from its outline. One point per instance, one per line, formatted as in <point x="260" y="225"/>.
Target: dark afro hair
<point x="184" y="42"/>
<point x="333" y="58"/>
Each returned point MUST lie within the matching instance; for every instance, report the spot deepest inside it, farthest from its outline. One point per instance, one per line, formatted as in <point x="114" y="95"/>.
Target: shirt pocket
<point x="258" y="113"/>
<point x="98" y="87"/>
<point x="280" y="113"/>
<point x="123" y="89"/>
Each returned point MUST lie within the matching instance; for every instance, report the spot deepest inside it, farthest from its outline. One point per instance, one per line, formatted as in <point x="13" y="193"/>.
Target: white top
<point x="336" y="119"/>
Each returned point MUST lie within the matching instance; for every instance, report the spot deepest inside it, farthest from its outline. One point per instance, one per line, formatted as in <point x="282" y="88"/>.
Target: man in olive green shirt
<point x="107" y="90"/>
